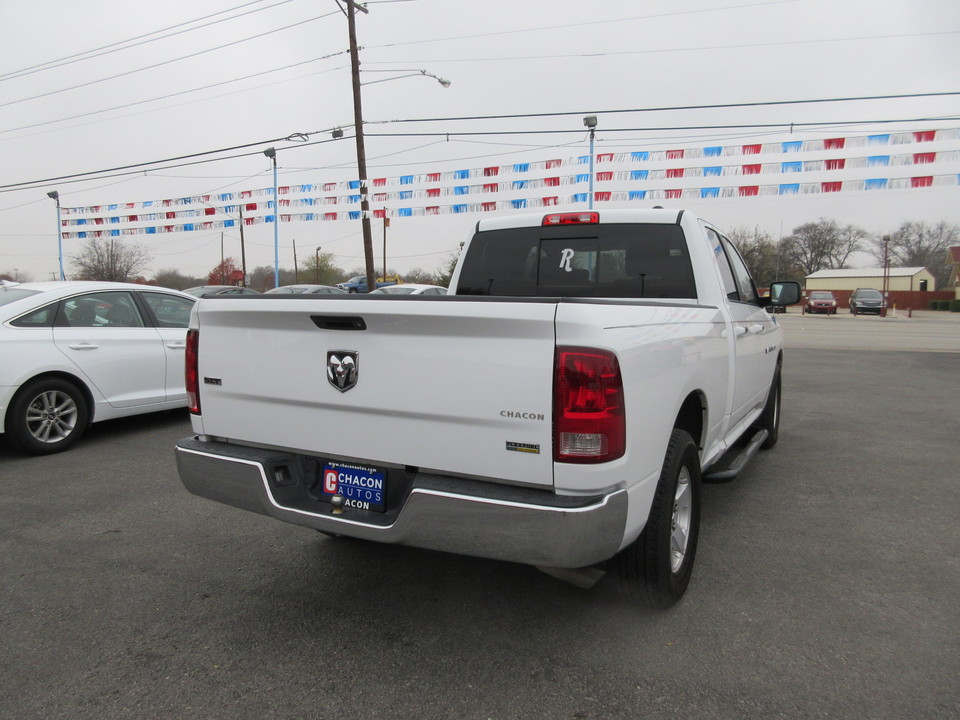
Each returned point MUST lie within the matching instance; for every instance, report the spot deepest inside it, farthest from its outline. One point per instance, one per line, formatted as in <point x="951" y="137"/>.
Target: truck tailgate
<point x="453" y="386"/>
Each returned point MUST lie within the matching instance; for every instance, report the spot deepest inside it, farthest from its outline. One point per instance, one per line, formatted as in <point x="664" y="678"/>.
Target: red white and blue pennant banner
<point x="804" y="168"/>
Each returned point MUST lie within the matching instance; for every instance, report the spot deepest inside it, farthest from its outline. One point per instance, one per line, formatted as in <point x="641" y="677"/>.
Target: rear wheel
<point x="655" y="569"/>
<point x="47" y="416"/>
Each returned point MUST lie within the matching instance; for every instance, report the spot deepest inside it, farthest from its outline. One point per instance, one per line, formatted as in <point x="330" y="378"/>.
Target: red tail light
<point x="192" y="371"/>
<point x="588" y="418"/>
<point x="574" y="218"/>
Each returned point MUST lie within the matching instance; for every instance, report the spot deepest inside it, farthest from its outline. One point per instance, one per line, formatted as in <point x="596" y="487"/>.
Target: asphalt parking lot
<point x="826" y="585"/>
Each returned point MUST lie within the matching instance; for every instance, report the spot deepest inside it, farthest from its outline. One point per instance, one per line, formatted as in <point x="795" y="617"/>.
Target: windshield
<point x="821" y="296"/>
<point x="12" y="294"/>
<point x="869" y="294"/>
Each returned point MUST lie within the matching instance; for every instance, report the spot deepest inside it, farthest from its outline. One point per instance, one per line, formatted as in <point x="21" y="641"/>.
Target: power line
<point x="133" y="42"/>
<point x="177" y="94"/>
<point x="580" y="25"/>
<point x="166" y="62"/>
<point x="675" y="108"/>
<point x="657" y="51"/>
<point x="302" y="137"/>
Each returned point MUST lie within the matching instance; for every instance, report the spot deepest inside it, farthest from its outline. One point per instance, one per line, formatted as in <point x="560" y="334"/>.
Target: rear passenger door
<point x="751" y="325"/>
<point x="171" y="315"/>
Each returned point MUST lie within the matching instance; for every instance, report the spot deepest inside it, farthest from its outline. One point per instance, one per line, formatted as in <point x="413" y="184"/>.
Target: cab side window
<point x="723" y="262"/>
<point x="745" y="287"/>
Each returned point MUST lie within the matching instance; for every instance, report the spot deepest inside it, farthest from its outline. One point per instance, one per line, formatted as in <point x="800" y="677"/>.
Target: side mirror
<point x="783" y="293"/>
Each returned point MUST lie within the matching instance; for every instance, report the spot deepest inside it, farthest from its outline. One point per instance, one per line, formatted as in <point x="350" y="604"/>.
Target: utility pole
<point x="352" y="7"/>
<point x="886" y="275"/>
<point x="386" y="224"/>
<point x="296" y="270"/>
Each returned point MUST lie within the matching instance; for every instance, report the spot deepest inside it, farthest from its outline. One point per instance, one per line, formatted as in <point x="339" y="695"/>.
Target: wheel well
<point x="66" y="377"/>
<point x="690" y="417"/>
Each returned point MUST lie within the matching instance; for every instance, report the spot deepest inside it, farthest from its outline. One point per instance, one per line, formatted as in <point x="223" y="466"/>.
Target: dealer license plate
<point x="363" y="488"/>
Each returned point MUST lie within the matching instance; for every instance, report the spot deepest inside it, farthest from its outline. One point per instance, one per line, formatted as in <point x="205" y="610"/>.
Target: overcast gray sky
<point x="73" y="101"/>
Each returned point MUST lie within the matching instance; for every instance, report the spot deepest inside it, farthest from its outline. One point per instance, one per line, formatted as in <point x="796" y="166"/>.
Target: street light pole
<point x="318" y="264"/>
<point x="56" y="196"/>
<point x="272" y="154"/>
<point x="361" y="150"/>
<point x="590" y="121"/>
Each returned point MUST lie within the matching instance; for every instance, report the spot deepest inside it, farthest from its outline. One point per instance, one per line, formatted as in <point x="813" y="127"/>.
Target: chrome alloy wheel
<point x="52" y="416"/>
<point x="680" y="521"/>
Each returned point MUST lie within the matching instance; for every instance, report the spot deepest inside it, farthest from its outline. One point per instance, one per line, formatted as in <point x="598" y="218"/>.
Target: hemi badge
<point x="212" y="381"/>
<point x="523" y="447"/>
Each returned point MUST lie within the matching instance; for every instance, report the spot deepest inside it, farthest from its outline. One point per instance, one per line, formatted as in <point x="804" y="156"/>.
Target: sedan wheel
<point x="47" y="416"/>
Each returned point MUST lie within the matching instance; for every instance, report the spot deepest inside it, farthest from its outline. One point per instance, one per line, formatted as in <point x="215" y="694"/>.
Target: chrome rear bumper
<point x="439" y="512"/>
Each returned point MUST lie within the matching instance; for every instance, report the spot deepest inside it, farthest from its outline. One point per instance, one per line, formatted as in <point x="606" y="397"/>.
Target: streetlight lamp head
<point x="53" y="195"/>
<point x="270" y="152"/>
<point x="590" y="121"/>
<point x="444" y="82"/>
<point x="337" y="133"/>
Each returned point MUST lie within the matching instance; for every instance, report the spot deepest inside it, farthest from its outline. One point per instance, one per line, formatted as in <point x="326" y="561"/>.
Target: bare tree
<point x="822" y="245"/>
<point x="759" y="252"/>
<point x="916" y="244"/>
<point x="110" y="259"/>
<point x="850" y="239"/>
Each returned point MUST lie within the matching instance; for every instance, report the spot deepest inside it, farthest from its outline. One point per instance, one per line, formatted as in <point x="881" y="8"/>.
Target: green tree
<point x="109" y="259"/>
<point x="172" y="278"/>
<point x="319" y="269"/>
<point x="444" y="273"/>
<point x="419" y="275"/>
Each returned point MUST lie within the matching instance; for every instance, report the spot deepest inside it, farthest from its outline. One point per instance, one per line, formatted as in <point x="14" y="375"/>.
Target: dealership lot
<point x="826" y="582"/>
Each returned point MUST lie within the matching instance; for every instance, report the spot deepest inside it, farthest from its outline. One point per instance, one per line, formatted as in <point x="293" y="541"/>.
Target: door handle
<point x="739" y="331"/>
<point x="83" y="346"/>
<point x="176" y="345"/>
<point x="756" y="328"/>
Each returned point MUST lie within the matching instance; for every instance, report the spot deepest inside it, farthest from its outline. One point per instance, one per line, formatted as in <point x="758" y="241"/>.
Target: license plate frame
<point x="362" y="487"/>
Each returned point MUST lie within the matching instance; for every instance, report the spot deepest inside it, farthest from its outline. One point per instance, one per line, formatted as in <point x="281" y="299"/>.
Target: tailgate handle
<point x="338" y="322"/>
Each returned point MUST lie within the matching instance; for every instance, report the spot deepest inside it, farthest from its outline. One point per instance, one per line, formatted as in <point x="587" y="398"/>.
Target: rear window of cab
<point x="630" y="260"/>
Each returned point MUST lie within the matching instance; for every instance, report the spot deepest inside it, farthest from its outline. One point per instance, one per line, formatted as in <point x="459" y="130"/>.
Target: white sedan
<point x="410" y="289"/>
<point x="74" y="353"/>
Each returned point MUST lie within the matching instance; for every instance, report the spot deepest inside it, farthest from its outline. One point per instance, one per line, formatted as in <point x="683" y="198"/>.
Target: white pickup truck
<point x="557" y="408"/>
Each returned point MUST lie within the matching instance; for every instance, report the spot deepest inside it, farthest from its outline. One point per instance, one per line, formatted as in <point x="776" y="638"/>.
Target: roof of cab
<point x="651" y="215"/>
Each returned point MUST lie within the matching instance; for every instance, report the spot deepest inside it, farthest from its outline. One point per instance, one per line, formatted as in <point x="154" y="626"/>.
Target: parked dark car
<point x="821" y="301"/>
<point x="866" y="300"/>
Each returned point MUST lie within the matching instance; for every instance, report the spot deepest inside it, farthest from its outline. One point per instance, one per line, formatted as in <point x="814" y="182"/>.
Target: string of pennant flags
<point x="618" y="177"/>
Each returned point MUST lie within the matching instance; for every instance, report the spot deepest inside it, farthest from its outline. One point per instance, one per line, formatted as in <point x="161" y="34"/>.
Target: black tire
<point x="770" y="419"/>
<point x="651" y="569"/>
<point x="46" y="416"/>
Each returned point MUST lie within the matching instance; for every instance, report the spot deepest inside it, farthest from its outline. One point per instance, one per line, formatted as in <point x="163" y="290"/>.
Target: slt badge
<point x="342" y="369"/>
